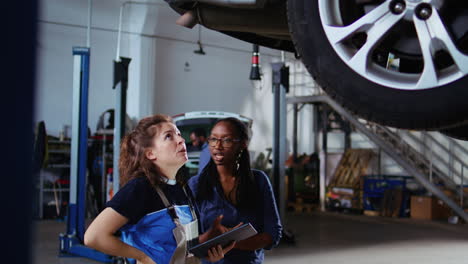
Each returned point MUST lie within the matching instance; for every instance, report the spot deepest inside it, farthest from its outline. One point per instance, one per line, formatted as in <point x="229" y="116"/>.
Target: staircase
<point x="415" y="154"/>
<point x="432" y="163"/>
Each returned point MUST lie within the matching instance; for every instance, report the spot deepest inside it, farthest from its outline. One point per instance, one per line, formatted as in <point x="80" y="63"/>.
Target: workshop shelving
<point x="54" y="176"/>
<point x="54" y="180"/>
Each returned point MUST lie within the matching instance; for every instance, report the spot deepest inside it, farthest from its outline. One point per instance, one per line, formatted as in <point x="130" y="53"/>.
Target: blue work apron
<point x="162" y="234"/>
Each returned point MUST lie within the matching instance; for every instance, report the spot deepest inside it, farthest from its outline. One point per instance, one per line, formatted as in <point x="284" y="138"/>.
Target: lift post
<point x="71" y="243"/>
<point x="280" y="83"/>
<point x="120" y="86"/>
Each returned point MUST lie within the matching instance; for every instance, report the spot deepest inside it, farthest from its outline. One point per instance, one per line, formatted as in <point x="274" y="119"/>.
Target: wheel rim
<point x="403" y="44"/>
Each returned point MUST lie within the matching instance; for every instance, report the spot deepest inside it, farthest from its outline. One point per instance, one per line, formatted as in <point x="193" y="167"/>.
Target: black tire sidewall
<point x="459" y="132"/>
<point x="424" y="109"/>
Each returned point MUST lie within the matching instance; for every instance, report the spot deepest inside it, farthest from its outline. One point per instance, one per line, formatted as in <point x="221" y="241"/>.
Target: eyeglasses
<point x="225" y="142"/>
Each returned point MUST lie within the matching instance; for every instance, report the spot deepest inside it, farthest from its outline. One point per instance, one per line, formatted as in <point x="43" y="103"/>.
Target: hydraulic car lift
<point x="280" y="87"/>
<point x="71" y="243"/>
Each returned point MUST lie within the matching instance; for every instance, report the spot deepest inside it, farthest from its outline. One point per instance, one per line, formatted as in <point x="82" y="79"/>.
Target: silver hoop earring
<point x="238" y="160"/>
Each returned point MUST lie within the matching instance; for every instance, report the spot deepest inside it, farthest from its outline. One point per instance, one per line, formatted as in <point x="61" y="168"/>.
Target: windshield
<point x="187" y="125"/>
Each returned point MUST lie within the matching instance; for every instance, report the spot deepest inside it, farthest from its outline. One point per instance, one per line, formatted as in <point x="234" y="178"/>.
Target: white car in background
<point x="187" y="122"/>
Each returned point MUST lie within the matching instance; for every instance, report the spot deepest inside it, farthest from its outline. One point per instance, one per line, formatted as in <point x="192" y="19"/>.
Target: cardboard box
<point x="428" y="207"/>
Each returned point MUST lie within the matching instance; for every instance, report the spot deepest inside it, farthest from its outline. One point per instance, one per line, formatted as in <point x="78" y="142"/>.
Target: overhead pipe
<point x="88" y="32"/>
<point x="119" y="32"/>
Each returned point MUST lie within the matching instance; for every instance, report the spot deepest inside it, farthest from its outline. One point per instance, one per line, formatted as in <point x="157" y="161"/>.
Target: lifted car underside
<point x="399" y="63"/>
<point x="262" y="22"/>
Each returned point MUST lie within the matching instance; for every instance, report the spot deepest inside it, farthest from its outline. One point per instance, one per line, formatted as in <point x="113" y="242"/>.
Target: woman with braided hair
<point x="153" y="209"/>
<point x="227" y="186"/>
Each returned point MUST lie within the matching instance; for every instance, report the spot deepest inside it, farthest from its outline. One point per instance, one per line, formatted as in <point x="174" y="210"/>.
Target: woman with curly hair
<point x="153" y="209"/>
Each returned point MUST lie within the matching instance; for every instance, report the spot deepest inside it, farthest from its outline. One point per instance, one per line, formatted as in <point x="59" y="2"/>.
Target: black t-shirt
<point x="138" y="198"/>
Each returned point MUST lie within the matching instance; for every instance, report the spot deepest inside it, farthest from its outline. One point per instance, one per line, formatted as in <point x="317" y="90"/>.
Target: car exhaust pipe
<point x="188" y="19"/>
<point x="236" y="3"/>
<point x="226" y="3"/>
<point x="270" y="20"/>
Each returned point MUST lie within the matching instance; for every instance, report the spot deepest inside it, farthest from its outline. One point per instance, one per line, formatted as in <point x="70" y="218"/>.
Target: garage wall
<point x="165" y="76"/>
<point x="62" y="25"/>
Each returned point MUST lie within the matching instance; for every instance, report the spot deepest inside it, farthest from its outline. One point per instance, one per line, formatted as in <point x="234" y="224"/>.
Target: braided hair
<point x="245" y="181"/>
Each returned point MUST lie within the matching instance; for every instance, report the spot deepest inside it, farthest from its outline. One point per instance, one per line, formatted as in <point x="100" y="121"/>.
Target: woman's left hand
<point x="217" y="253"/>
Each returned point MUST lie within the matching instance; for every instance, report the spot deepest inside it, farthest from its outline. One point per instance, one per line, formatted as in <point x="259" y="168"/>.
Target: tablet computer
<point x="240" y="233"/>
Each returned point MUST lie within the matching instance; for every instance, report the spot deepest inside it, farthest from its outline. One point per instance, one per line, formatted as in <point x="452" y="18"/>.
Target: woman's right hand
<point x="217" y="253"/>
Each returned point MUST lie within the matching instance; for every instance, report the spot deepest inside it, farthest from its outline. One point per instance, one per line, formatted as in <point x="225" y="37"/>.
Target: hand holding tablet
<point x="237" y="234"/>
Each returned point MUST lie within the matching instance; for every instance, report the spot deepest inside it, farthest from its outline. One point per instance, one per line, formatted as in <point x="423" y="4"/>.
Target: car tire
<point x="433" y="107"/>
<point x="459" y="132"/>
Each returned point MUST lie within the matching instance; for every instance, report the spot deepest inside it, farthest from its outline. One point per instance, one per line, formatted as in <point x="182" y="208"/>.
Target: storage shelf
<point x="56" y="141"/>
<point x="59" y="151"/>
<point x="59" y="156"/>
<point x="58" y="166"/>
<point x="57" y="190"/>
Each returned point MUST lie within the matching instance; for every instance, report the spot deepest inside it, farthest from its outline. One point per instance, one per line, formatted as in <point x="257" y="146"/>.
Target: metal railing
<point x="412" y="152"/>
<point x="397" y="148"/>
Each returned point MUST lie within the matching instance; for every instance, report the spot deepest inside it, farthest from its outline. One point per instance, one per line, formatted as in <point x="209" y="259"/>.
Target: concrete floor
<point x="328" y="238"/>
